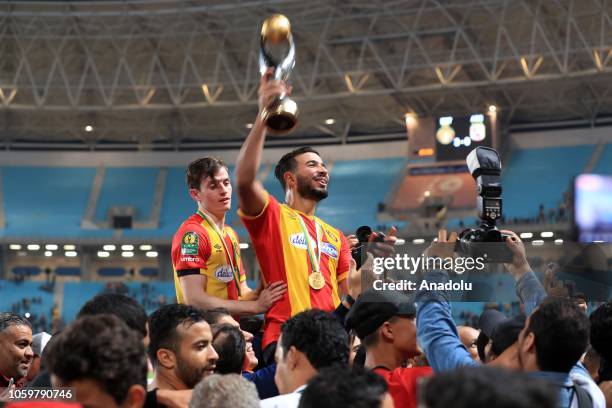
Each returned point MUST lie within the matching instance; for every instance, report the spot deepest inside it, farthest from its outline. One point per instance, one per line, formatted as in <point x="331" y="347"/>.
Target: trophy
<point x="278" y="51"/>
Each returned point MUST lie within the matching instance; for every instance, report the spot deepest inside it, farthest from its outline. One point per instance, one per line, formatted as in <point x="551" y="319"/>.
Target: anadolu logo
<point x="224" y="273"/>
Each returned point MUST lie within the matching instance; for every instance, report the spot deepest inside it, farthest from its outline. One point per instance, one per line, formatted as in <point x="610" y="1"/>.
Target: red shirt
<point x="197" y="249"/>
<point x="281" y="247"/>
<point x="402" y="383"/>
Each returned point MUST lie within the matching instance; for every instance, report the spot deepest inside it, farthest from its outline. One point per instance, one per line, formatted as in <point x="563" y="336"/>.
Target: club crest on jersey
<point x="329" y="249"/>
<point x="189" y="244"/>
<point x="224" y="273"/>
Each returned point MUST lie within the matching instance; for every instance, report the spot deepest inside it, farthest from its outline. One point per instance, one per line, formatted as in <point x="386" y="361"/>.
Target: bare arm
<point x="194" y="295"/>
<point x="251" y="193"/>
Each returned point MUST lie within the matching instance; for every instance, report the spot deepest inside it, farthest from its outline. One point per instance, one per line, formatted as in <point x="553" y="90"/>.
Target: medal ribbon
<point x="232" y="256"/>
<point x="315" y="259"/>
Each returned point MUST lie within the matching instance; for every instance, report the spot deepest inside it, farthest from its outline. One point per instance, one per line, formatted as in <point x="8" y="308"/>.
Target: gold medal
<point x="316" y="280"/>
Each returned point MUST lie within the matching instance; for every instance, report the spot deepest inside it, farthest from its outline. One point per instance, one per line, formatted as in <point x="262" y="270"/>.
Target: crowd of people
<point x="328" y="338"/>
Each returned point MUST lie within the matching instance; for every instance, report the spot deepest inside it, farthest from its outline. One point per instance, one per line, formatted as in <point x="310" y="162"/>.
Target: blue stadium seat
<point x="26" y="270"/>
<point x="111" y="271"/>
<point x="32" y="193"/>
<point x="68" y="271"/>
<point x="540" y="176"/>
<point x="133" y="187"/>
<point x="149" y="272"/>
<point x="604" y="165"/>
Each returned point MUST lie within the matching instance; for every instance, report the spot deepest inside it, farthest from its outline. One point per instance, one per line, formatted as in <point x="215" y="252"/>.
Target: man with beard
<point x="180" y="347"/>
<point x="292" y="244"/>
<point x="16" y="353"/>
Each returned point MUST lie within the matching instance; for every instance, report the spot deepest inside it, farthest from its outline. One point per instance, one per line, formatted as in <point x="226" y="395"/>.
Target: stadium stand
<point x="127" y="187"/>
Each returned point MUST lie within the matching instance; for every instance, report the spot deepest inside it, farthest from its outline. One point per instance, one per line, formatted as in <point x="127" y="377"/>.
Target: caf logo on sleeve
<point x="189" y="244"/>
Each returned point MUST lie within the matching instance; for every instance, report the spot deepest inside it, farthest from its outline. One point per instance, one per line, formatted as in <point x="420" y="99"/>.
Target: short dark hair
<point x="213" y="316"/>
<point x="202" y="168"/>
<point x="561" y="333"/>
<point x="318" y="335"/>
<point x="8" y="319"/>
<point x="340" y="388"/>
<point x="124" y="307"/>
<point x="230" y="345"/>
<point x="484" y="387"/>
<point x="579" y="296"/>
<point x="164" y="322"/>
<point x="288" y="163"/>
<point x="601" y="330"/>
<point x="101" y="348"/>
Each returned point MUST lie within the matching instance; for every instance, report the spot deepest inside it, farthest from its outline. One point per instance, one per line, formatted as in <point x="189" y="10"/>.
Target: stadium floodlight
<point x="33" y="247"/>
<point x="69" y="247"/>
<point x="109" y="247"/>
<point x="526" y="235"/>
<point x="151" y="254"/>
<point x="51" y="247"/>
<point x="71" y="254"/>
<point x="492" y="108"/>
<point x="127" y="247"/>
<point x="244" y="245"/>
<point x="48" y="254"/>
<point x="418" y="241"/>
<point x="146" y="247"/>
<point x="27" y="315"/>
<point x="537" y="242"/>
<point x="330" y="121"/>
<point x="558" y="241"/>
<point x="89" y="128"/>
<point x="547" y="234"/>
<point x="249" y="126"/>
<point x="103" y="254"/>
<point x="15" y="247"/>
<point x="127" y="254"/>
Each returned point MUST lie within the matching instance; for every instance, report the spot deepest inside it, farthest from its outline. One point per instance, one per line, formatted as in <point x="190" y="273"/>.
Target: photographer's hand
<point x="519" y="266"/>
<point x="552" y="285"/>
<point x="444" y="246"/>
<point x="384" y="248"/>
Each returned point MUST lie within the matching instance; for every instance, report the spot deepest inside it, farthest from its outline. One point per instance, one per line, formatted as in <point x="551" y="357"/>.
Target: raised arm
<point x="251" y="193"/>
<point x="528" y="288"/>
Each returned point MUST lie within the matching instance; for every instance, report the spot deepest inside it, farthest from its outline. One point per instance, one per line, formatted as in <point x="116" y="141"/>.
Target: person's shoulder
<point x="410" y="372"/>
<point x="282" y="401"/>
<point x="191" y="224"/>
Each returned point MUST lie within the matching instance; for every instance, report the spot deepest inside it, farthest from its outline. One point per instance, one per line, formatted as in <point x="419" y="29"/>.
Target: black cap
<point x="374" y="307"/>
<point x="489" y="320"/>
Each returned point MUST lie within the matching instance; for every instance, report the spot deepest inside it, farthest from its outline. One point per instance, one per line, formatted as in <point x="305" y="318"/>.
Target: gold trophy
<point x="277" y="51"/>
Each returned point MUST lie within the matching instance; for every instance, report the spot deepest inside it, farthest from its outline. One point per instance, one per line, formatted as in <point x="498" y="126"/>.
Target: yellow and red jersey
<point x="281" y="249"/>
<point x="198" y="249"/>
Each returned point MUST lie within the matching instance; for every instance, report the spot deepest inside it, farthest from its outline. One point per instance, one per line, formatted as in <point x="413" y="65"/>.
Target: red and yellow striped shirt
<point x="282" y="253"/>
<point x="197" y="249"/>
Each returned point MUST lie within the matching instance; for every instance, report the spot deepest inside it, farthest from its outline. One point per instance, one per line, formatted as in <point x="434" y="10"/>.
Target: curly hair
<point x="318" y="335"/>
<point x="127" y="309"/>
<point x="101" y="348"/>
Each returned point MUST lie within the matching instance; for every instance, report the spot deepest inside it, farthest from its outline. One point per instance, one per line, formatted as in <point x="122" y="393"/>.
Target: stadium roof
<point x="168" y="74"/>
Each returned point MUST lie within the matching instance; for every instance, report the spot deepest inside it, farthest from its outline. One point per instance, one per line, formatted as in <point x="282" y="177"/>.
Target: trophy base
<point x="281" y="116"/>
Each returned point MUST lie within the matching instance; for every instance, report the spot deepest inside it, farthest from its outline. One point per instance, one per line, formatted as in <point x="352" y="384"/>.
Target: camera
<point x="483" y="242"/>
<point x="363" y="234"/>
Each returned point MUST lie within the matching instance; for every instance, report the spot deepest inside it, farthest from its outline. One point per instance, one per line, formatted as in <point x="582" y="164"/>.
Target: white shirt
<point x="291" y="400"/>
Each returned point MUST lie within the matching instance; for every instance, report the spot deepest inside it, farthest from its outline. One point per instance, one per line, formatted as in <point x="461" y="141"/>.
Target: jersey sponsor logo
<point x="218" y="248"/>
<point x="329" y="249"/>
<point x="299" y="241"/>
<point x="189" y="243"/>
<point x="331" y="236"/>
<point x="189" y="259"/>
<point x="224" y="273"/>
